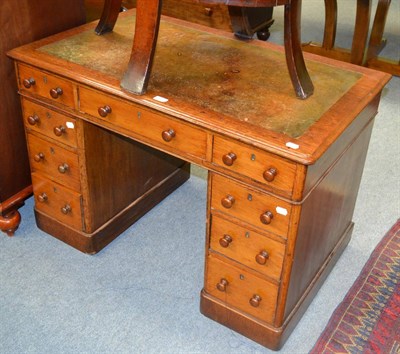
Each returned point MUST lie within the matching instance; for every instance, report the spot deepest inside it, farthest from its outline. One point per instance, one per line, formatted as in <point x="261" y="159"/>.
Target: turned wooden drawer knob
<point x="168" y="135"/>
<point x="104" y="111"/>
<point x="38" y="157"/>
<point x="266" y="218"/>
<point x="225" y="241"/>
<point x="42" y="197"/>
<point x="228" y="201"/>
<point x="208" y="11"/>
<point x="229" y="159"/>
<point x="66" y="209"/>
<point x="270" y="174"/>
<point x="56" y="92"/>
<point x="59" y="130"/>
<point x="63" y="168"/>
<point x="32" y="120"/>
<point x="262" y="257"/>
<point x="255" y="300"/>
<point x="222" y="285"/>
<point x="28" y="83"/>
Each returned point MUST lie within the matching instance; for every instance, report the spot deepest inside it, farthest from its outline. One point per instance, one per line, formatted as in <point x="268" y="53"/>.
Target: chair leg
<point x="301" y="81"/>
<point x="361" y="27"/>
<point x="111" y="10"/>
<point x="136" y="77"/>
<point x="330" y="24"/>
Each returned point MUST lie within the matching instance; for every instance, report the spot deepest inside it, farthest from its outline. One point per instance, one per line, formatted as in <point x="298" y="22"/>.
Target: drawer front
<point x="254" y="207"/>
<point x="165" y="132"/>
<point x="46" y="85"/>
<point x="245" y="291"/>
<point x="276" y="173"/>
<point x="247" y="247"/>
<point x="63" y="204"/>
<point x="50" y="123"/>
<point x="57" y="163"/>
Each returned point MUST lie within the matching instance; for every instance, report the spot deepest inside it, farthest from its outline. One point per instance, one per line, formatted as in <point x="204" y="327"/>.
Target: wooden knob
<point x="63" y="168"/>
<point x="255" y="300"/>
<point x="208" y="11"/>
<point x="42" y="197"/>
<point x="56" y="92"/>
<point x="32" y="120"/>
<point x="229" y="159"/>
<point x="104" y="111"/>
<point x="223" y="283"/>
<point x="228" y="201"/>
<point x="168" y="135"/>
<point x="262" y="257"/>
<point x="59" y="130"/>
<point x="38" y="157"/>
<point x="266" y="218"/>
<point x="66" y="209"/>
<point x="270" y="174"/>
<point x="28" y="83"/>
<point x="225" y="241"/>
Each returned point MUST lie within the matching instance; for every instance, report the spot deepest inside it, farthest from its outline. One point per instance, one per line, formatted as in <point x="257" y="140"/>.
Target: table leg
<point x="294" y="56"/>
<point x="136" y="77"/>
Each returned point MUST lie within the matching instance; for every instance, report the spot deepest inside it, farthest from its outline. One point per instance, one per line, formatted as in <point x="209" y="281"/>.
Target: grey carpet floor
<point x="141" y="293"/>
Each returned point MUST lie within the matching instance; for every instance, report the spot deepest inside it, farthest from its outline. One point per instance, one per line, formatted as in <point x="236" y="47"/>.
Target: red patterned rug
<point x="368" y="319"/>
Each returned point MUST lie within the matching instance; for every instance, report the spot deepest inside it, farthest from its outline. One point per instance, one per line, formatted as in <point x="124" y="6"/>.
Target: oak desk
<point x="283" y="173"/>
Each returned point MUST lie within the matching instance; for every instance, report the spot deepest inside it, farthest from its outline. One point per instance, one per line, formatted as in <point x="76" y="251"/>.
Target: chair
<point x="148" y="15"/>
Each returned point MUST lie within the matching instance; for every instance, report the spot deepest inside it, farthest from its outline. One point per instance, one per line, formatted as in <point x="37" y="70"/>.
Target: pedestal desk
<point x="283" y="172"/>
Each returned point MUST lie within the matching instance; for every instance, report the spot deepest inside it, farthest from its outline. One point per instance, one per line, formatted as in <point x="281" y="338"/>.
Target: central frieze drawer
<point x="238" y="288"/>
<point x="254" y="207"/>
<point x="50" y="123"/>
<point x="248" y="247"/>
<point x="57" y="201"/>
<point x="160" y="129"/>
<point x="57" y="163"/>
<point x="49" y="86"/>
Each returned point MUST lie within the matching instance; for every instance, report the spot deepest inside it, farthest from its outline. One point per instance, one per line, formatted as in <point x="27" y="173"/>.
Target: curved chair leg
<point x="360" y="36"/>
<point x="330" y="24"/>
<point x="109" y="16"/>
<point x="294" y="56"/>
<point x="136" y="77"/>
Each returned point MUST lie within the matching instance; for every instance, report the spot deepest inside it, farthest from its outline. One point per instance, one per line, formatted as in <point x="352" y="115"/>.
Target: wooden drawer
<point x="247" y="247"/>
<point x="57" y="163"/>
<point x="259" y="209"/>
<point x="46" y="85"/>
<point x="249" y="293"/>
<point x="277" y="173"/>
<point x="50" y="123"/>
<point x="152" y="127"/>
<point x="61" y="203"/>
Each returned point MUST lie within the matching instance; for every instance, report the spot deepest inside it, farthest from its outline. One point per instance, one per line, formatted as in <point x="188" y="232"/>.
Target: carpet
<point x="368" y="319"/>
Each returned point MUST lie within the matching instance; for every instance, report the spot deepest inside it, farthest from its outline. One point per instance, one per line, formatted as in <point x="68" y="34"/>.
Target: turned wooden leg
<point x="9" y="223"/>
<point x="136" y="77"/>
<point x="330" y="24"/>
<point x="109" y="16"/>
<point x="294" y="56"/>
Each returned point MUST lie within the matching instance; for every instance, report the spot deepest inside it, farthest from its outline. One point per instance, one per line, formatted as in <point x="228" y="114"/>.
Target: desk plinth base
<point x="96" y="241"/>
<point x="264" y="333"/>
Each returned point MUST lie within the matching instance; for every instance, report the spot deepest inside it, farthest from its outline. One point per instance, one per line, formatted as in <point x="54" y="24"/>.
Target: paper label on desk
<point x="160" y="99"/>
<point x="292" y="145"/>
<point x="281" y="211"/>
<point x="70" y="125"/>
